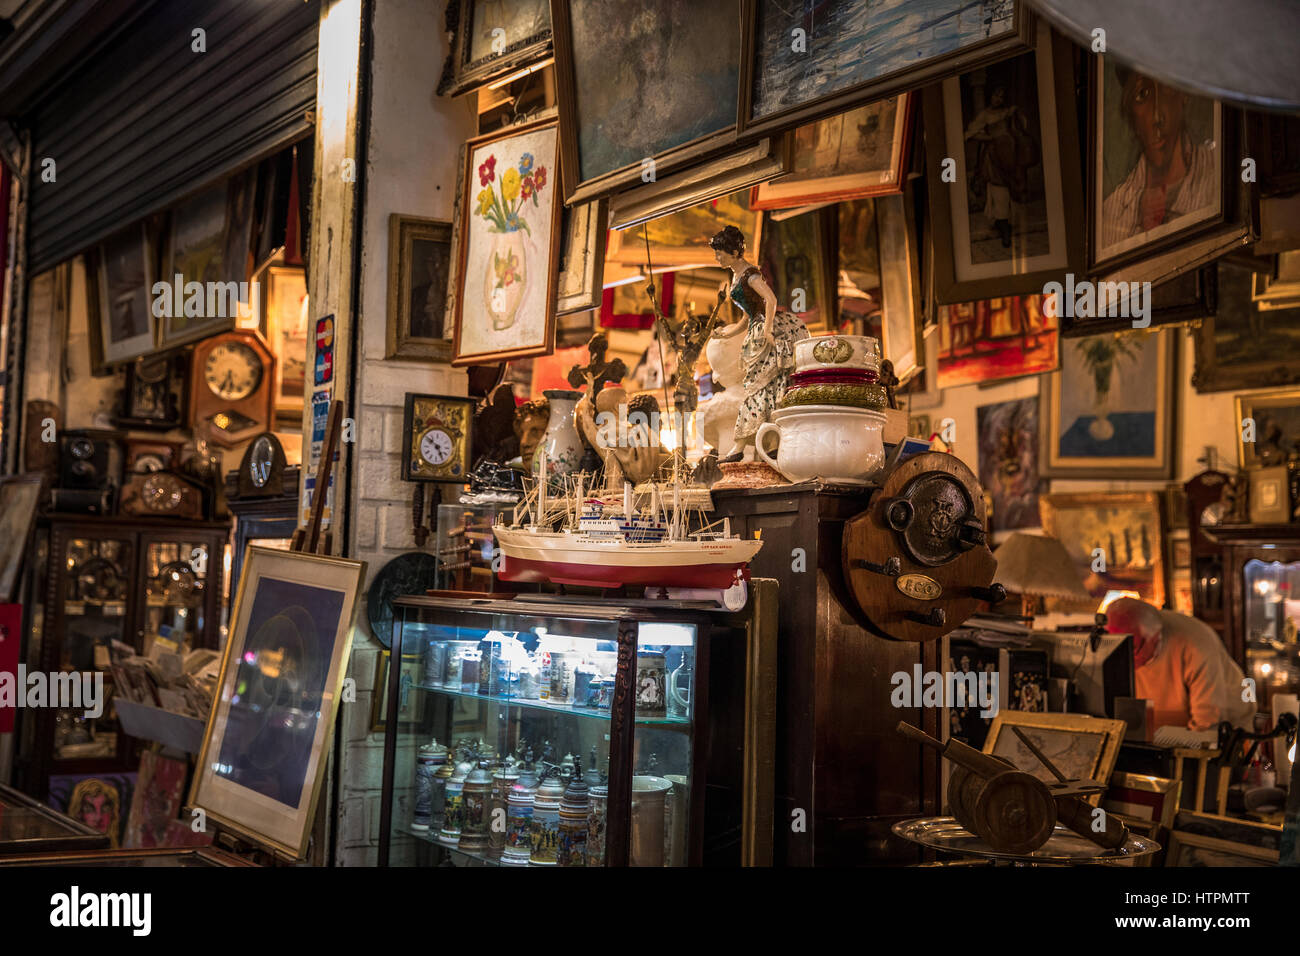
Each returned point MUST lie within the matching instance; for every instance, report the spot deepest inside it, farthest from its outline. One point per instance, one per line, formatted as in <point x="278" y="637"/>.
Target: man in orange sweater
<point x="1182" y="667"/>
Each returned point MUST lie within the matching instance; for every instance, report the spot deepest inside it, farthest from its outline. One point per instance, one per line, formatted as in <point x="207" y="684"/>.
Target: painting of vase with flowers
<point x="509" y="246"/>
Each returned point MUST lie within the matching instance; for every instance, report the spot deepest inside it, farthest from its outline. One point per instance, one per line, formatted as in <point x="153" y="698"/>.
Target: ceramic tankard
<point x="834" y="443"/>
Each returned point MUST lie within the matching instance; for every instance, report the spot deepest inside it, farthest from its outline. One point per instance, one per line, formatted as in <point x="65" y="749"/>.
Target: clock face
<point x="151" y="371"/>
<point x="260" y="461"/>
<point x="161" y="493"/>
<point x="233" y="371"/>
<point x="435" y="446"/>
<point x="149" y="461"/>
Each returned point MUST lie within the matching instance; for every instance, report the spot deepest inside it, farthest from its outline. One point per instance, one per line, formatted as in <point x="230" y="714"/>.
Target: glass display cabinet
<point x="27" y="826"/>
<point x="561" y="731"/>
<point x="106" y="586"/>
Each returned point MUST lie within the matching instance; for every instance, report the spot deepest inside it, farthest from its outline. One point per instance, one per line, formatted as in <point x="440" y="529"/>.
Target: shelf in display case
<point x="431" y="837"/>
<point x="675" y="723"/>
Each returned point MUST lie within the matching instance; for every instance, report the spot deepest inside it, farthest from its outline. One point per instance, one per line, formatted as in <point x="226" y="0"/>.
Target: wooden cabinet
<point x="104" y="583"/>
<point x="843" y="776"/>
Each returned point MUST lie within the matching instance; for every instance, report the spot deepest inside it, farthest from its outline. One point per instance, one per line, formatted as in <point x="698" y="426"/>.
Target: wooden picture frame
<point x="1084" y="521"/>
<point x="1112" y="241"/>
<point x="681" y="239"/>
<point x="1191" y="849"/>
<point x="20" y="498"/>
<point x="1007" y="263"/>
<point x="262" y="779"/>
<point x="525" y="41"/>
<point x="900" y="64"/>
<point x="1278" y="410"/>
<point x="582" y="257"/>
<point x="1143" y="797"/>
<point x="414" y="242"/>
<point x="379" y="702"/>
<point x="515" y="269"/>
<point x="125" y="280"/>
<point x="1080" y="746"/>
<point x="214" y="225"/>
<point x="1093" y="446"/>
<point x="1235" y="347"/>
<point x="1190" y="296"/>
<point x="694" y="98"/>
<point x="837" y="178"/>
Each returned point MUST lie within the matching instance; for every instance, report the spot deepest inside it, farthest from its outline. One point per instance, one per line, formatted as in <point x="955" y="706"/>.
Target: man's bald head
<point x="1131" y="616"/>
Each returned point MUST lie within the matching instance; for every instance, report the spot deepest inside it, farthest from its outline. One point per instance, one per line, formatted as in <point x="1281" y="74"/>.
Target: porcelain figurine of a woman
<point x="770" y="334"/>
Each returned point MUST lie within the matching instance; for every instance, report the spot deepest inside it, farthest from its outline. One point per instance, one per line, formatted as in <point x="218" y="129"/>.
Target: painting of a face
<point x="1156" y="114"/>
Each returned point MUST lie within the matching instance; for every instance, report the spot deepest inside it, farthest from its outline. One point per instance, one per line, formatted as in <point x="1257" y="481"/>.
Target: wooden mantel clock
<point x="232" y="381"/>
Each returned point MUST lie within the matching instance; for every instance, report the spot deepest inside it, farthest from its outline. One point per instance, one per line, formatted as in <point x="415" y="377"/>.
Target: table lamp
<point x="1036" y="566"/>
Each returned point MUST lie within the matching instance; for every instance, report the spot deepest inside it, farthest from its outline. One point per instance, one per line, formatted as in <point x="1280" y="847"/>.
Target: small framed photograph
<point x="285" y="321"/>
<point x="127" y="328"/>
<point x="419" y="262"/>
<point x="1270" y="502"/>
<point x="410" y="702"/>
<point x="1013" y="220"/>
<point x="851" y="155"/>
<point x="1276" y="416"/>
<point x="262" y="763"/>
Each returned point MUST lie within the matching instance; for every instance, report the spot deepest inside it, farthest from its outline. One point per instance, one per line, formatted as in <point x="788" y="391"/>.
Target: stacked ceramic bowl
<point x="830" y="421"/>
<point x="841" y="370"/>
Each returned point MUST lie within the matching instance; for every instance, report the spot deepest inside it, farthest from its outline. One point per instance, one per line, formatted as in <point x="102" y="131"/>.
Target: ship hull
<point x="550" y="558"/>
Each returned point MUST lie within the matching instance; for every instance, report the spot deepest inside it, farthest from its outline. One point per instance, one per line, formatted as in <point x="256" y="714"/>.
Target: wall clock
<point x="261" y="473"/>
<point x="436" y="438"/>
<point x="232" y="380"/>
<point x="161" y="494"/>
<point x="148" y="455"/>
<point x="154" y="396"/>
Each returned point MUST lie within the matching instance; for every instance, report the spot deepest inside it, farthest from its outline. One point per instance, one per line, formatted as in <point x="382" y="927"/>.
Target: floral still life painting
<point x="506" y="302"/>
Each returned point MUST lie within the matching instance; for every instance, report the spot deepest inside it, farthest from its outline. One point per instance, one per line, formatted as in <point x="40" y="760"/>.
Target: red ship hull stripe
<point x="605" y="576"/>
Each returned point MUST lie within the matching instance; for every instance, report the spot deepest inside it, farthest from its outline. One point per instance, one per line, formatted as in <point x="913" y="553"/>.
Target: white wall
<point x="412" y="152"/>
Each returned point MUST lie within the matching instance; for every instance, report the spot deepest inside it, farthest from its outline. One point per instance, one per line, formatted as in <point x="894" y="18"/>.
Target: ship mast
<point x="627" y="501"/>
<point x="541" y="500"/>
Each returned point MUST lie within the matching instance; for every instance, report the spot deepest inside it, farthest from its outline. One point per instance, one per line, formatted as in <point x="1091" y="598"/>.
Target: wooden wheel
<point x="963" y="788"/>
<point x="1014" y="812"/>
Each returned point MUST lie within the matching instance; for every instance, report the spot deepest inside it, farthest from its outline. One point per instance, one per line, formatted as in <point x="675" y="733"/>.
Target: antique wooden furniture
<point x="265" y="520"/>
<point x="1273" y="548"/>
<point x="102" y="580"/>
<point x="1013" y="811"/>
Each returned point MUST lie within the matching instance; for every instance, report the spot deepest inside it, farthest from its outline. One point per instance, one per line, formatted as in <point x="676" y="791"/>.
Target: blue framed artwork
<point x="1109" y="411"/>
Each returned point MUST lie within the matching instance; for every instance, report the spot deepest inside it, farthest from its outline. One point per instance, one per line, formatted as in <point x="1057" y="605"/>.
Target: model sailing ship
<point x="600" y="545"/>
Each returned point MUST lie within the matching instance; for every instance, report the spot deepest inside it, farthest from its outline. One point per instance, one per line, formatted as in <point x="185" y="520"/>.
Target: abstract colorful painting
<point x="1008" y="461"/>
<point x="995" y="339"/>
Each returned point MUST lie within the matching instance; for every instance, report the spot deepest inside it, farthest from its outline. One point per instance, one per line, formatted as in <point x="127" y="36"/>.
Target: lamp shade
<point x="1038" y="566"/>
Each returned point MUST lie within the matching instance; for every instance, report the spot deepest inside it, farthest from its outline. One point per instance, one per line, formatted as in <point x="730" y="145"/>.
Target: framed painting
<point x="507" y="262"/>
<point x="641" y="95"/>
<point x="1008" y="462"/>
<point x="1109" y="413"/>
<point x="994" y="339"/>
<point x="262" y="763"/>
<point x="208" y="242"/>
<point x="807" y="59"/>
<point x="1188" y="297"/>
<point x="1191" y="849"/>
<point x="410" y="705"/>
<point x="1161" y="165"/>
<point x="20" y="496"/>
<point x="1277" y="427"/>
<point x="101" y="801"/>
<point x="127" y="326"/>
<point x="796" y="258"/>
<point x="490" y="39"/>
<point x="1013" y="220"/>
<point x="852" y="155"/>
<point x="1239" y="346"/>
<point x="1081" y="747"/>
<point x="419" y="262"/>
<point x="582" y="257"/>
<point x="1121" y="532"/>
<point x="156" y="803"/>
<point x="1143" y="797"/>
<point x="681" y="240"/>
<point x="286" y="320"/>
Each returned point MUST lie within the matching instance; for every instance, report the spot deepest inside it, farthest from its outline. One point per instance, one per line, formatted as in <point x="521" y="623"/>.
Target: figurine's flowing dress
<point x="766" y="369"/>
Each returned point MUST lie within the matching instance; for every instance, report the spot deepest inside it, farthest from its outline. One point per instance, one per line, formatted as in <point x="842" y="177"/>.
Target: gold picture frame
<point x="1080" y="746"/>
<point x="1282" y="410"/>
<point x="260" y="777"/>
<point x="414" y="242"/>
<point x="1081" y="535"/>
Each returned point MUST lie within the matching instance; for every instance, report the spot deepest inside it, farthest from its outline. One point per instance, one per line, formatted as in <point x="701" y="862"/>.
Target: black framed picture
<point x="492" y="39"/>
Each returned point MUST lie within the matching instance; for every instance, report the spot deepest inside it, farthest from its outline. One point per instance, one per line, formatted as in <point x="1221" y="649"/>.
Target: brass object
<point x="871" y="395"/>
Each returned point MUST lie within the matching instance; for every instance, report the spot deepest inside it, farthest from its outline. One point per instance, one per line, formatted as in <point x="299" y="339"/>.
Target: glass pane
<point x="503" y="746"/>
<point x="661" y="782"/>
<point x="175" y="578"/>
<point x="466" y="547"/>
<point x="98" y="573"/>
<point x="1272" y="591"/>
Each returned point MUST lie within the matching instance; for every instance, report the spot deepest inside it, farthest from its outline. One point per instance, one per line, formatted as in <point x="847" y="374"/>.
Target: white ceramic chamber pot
<point x="837" y="352"/>
<point x="831" y="442"/>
